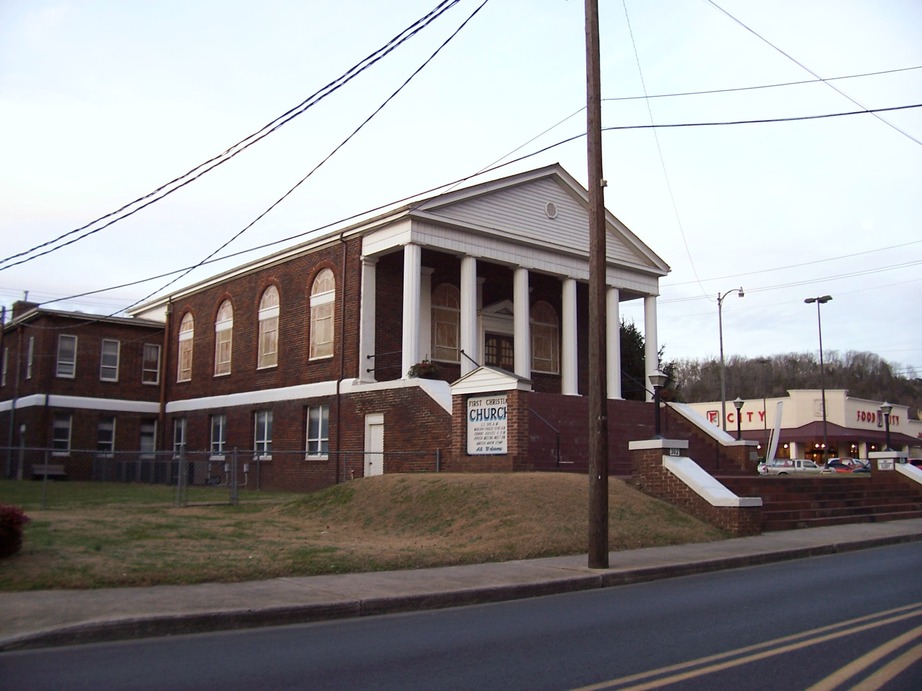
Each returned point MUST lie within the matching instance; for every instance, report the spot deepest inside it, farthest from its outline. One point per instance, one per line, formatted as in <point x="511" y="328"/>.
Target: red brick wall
<point x="651" y="477"/>
<point x="86" y="381"/>
<point x="710" y="454"/>
<point x="293" y="279"/>
<point x="627" y="421"/>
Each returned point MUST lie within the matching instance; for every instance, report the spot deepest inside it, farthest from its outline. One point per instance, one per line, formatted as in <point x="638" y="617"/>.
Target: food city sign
<point x="746" y="417"/>
<point x="486" y="425"/>
<point x="875" y="417"/>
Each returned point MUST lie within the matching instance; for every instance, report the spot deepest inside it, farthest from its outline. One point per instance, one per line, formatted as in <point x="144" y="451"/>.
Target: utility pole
<point x="598" y="394"/>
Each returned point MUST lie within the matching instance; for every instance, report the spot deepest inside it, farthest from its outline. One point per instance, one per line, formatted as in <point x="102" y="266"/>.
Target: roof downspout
<point x="161" y="414"/>
<point x="342" y="358"/>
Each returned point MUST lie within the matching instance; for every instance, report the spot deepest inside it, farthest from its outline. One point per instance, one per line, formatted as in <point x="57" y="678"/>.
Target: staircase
<point x="808" y="502"/>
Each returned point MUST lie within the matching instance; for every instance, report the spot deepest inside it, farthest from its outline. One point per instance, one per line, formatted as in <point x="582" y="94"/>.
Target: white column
<point x="425" y="313"/>
<point x="367" y="319"/>
<point x="613" y="340"/>
<point x="651" y="349"/>
<point x="569" y="371"/>
<point x="412" y="265"/>
<point x="521" y="323"/>
<point x="470" y="339"/>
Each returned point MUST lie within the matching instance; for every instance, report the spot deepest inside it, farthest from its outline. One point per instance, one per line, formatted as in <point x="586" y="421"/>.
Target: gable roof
<point x="537" y="218"/>
<point x="545" y="207"/>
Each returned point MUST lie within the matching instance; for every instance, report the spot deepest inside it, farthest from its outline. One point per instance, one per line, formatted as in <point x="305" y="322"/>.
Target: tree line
<point x="862" y="374"/>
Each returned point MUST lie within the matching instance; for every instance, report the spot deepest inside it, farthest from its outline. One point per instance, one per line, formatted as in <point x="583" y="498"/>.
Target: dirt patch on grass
<point x="387" y="522"/>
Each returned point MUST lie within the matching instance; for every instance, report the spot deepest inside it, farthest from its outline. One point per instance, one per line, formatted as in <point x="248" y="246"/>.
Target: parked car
<point x="787" y="466"/>
<point x="848" y="465"/>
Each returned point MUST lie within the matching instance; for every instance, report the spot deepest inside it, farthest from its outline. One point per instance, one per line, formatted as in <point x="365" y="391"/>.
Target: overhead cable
<point x="212" y="163"/>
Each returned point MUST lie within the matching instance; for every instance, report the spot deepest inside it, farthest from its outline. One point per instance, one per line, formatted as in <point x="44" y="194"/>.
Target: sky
<point x="103" y="102"/>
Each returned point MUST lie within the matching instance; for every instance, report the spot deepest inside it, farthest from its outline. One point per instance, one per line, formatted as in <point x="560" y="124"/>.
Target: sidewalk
<point x="50" y="618"/>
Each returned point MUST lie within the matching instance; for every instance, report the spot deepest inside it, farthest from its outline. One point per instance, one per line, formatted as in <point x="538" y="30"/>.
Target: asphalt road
<point x="787" y="625"/>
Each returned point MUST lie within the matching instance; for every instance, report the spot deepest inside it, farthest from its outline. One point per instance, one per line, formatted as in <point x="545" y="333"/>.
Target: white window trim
<point x="30" y="358"/>
<point x="220" y="454"/>
<point x="185" y="335"/>
<point x="102" y="355"/>
<point x="179" y="424"/>
<point x="265" y="442"/>
<point x="70" y="433"/>
<point x="324" y="408"/>
<point x="59" y="361"/>
<point x="152" y="453"/>
<point x="111" y="452"/>
<point x="146" y="370"/>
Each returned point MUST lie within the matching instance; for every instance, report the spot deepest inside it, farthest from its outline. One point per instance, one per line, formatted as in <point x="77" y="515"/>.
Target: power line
<point x="802" y="82"/>
<point x="796" y="266"/>
<point x="323" y="161"/>
<point x="443" y="186"/>
<point x="807" y="69"/>
<point x="195" y="173"/>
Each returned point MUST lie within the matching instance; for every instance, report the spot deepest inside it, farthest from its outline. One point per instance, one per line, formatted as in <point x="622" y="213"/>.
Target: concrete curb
<point x="485" y="584"/>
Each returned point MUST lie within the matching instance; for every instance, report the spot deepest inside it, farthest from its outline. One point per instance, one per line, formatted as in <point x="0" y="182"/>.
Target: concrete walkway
<point x="62" y="617"/>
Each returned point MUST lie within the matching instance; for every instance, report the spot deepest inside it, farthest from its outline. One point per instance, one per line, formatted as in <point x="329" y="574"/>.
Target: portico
<point x="482" y="287"/>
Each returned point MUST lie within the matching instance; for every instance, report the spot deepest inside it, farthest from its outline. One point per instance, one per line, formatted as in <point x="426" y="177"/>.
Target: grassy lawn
<point x="96" y="535"/>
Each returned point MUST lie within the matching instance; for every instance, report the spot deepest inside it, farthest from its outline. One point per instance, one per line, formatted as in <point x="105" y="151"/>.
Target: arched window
<point x="186" y="332"/>
<point x="323" y="295"/>
<point x="223" y="338"/>
<point x="268" y="347"/>
<point x="446" y="323"/>
<point x="545" y="349"/>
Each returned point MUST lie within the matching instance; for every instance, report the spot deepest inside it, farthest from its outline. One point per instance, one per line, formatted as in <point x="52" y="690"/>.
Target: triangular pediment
<point x="486" y="379"/>
<point x="546" y="208"/>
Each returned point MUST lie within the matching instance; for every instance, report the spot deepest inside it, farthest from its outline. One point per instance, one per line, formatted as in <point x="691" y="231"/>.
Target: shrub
<point x="12" y="519"/>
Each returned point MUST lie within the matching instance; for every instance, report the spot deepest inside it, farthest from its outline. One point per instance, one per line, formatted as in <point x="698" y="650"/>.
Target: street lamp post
<point x="658" y="379"/>
<point x="886" y="409"/>
<point x="723" y="381"/>
<point x="738" y="404"/>
<point x="819" y="324"/>
<point x="764" y="361"/>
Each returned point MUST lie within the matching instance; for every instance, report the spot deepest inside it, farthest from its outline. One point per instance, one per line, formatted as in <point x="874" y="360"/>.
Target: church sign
<point x="486" y="425"/>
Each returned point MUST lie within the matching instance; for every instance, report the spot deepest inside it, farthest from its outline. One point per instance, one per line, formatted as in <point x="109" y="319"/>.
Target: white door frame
<point x="374" y="444"/>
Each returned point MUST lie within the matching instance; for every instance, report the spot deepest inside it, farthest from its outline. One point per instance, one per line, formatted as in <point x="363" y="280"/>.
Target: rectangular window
<point x="263" y="434"/>
<point x="108" y="360"/>
<point x="105" y="437"/>
<point x="30" y="357"/>
<point x="268" y="339"/>
<point x="222" y="352"/>
<point x="6" y="364"/>
<point x="179" y="436"/>
<point x="67" y="356"/>
<point x="318" y="431"/>
<point x="150" y="366"/>
<point x="218" y="435"/>
<point x="148" y="441"/>
<point x="321" y="328"/>
<point x="544" y="349"/>
<point x="60" y="434"/>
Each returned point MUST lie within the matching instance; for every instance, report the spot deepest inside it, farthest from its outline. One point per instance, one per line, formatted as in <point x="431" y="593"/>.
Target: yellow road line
<point x="855" y="667"/>
<point x="758" y="651"/>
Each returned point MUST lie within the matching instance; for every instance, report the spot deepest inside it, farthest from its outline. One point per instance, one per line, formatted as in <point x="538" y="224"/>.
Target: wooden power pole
<point x="598" y="394"/>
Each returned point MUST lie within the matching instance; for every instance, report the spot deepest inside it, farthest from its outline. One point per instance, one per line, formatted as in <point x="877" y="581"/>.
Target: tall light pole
<point x="819" y="325"/>
<point x="723" y="381"/>
<point x="764" y="361"/>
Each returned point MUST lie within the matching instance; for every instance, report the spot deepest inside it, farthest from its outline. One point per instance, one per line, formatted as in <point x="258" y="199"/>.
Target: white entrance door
<point x="374" y="444"/>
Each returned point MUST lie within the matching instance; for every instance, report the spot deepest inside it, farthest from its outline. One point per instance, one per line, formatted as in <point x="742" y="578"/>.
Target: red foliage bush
<point x="12" y="519"/>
